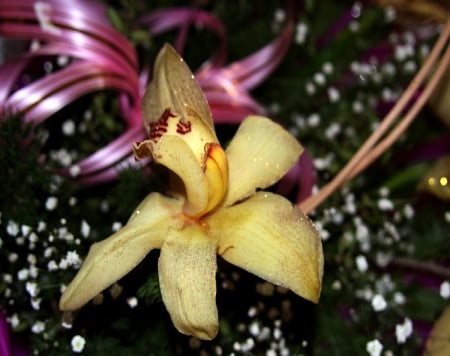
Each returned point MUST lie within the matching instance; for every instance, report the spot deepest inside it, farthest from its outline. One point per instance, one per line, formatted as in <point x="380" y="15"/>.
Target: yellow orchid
<point x="214" y="208"/>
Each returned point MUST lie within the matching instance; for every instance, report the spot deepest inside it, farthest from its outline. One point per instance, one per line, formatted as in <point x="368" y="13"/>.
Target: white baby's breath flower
<point x="31" y="259"/>
<point x="52" y="265"/>
<point x="48" y="252"/>
<point x="254" y="328"/>
<point x="333" y="94"/>
<point x="42" y="225"/>
<point x="116" y="226"/>
<point x="390" y="13"/>
<point x="68" y="127"/>
<point x="366" y="293"/>
<point x="36" y="303"/>
<point x="32" y="288"/>
<point x="310" y="88"/>
<point x="51" y="203"/>
<point x="385" y="204"/>
<point x="403" y="331"/>
<point x="384" y="192"/>
<point x="336" y="285"/>
<point x="12" y="228"/>
<point x="444" y="290"/>
<point x="74" y="172"/>
<point x="63" y="264"/>
<point x="333" y="130"/>
<point x="447" y="216"/>
<point x="374" y="347"/>
<point x="279" y="15"/>
<point x="38" y="327"/>
<point x="328" y="68"/>
<point x="78" y="342"/>
<point x="379" y="303"/>
<point x="13" y="257"/>
<point x="319" y="78"/>
<point x="399" y="298"/>
<point x="132" y="302"/>
<point x="23" y="274"/>
<point x="357" y="107"/>
<point x="324" y="234"/>
<point x="14" y="321"/>
<point x="25" y="230"/>
<point x="73" y="259"/>
<point x="301" y="33"/>
<point x="383" y="259"/>
<point x="85" y="228"/>
<point x="362" y="235"/>
<point x="361" y="263"/>
<point x="313" y="120"/>
<point x="33" y="271"/>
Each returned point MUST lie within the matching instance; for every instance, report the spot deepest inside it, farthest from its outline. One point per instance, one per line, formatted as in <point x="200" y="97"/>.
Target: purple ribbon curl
<point x="101" y="58"/>
<point x="5" y="346"/>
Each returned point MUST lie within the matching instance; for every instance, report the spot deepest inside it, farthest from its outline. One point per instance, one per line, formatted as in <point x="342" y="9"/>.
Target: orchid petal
<point x="176" y="88"/>
<point x="174" y="104"/>
<point x="268" y="236"/>
<point x="174" y="153"/>
<point x="187" y="271"/>
<point x="260" y="154"/>
<point x="112" y="258"/>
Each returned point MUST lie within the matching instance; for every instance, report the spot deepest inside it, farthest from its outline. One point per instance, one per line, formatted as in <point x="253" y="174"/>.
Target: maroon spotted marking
<point x="159" y="128"/>
<point x="183" y="127"/>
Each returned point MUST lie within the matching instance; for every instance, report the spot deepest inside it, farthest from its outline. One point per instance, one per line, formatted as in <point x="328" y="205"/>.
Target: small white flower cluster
<point x="260" y="333"/>
<point x="34" y="251"/>
<point x="323" y="163"/>
<point x="63" y="156"/>
<point x="374" y="240"/>
<point x="319" y="80"/>
<point x="370" y="73"/>
<point x="403" y="331"/>
<point x="279" y="17"/>
<point x="69" y="128"/>
<point x="301" y="33"/>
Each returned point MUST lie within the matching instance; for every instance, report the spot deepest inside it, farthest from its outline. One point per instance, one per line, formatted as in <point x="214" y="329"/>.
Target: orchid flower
<point x="213" y="208"/>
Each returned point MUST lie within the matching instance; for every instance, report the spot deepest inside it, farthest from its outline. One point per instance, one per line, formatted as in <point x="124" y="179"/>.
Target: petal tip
<point x="68" y="302"/>
<point x="205" y="333"/>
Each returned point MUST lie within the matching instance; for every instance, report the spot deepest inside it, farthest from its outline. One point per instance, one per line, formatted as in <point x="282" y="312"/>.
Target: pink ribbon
<point x="5" y="347"/>
<point x="101" y="58"/>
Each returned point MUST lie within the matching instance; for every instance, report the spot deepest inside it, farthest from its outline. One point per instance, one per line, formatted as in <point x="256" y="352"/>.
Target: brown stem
<point x="409" y="117"/>
<point x="421" y="266"/>
<point x="369" y="151"/>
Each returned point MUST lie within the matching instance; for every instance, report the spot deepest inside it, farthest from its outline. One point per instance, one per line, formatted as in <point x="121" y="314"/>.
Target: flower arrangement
<point x="362" y="85"/>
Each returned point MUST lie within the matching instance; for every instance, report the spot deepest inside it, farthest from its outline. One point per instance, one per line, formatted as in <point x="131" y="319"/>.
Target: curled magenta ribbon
<point x="102" y="58"/>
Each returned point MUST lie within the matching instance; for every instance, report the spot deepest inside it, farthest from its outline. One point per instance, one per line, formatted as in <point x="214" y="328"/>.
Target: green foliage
<point x="22" y="177"/>
<point x="149" y="291"/>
